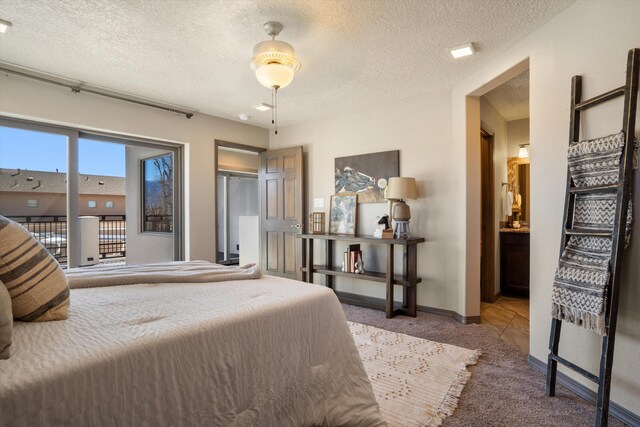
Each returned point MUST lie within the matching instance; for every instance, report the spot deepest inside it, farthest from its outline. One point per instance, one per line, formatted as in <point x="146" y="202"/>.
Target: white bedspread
<point x="265" y="352"/>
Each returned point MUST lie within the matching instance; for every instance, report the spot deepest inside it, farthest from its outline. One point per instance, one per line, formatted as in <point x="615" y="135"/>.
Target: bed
<point x="263" y="352"/>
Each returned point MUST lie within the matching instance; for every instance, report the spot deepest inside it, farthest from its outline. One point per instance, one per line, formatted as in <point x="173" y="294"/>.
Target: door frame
<point x="487" y="239"/>
<point x="226" y="144"/>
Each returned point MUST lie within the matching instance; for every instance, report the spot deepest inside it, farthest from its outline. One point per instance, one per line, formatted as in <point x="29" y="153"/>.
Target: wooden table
<point x="408" y="279"/>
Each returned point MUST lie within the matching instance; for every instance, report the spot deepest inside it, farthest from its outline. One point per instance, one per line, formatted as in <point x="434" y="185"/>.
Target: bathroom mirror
<point x="518" y="175"/>
<point x="523" y="183"/>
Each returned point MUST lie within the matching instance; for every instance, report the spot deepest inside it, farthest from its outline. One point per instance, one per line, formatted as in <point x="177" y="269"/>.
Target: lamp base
<point x="401" y="211"/>
<point x="401" y="230"/>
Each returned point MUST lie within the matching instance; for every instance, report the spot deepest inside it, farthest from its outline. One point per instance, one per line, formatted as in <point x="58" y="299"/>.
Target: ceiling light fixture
<point x="263" y="107"/>
<point x="462" y="50"/>
<point x="5" y="26"/>
<point x="275" y="64"/>
<point x="244" y="117"/>
<point x="523" y="152"/>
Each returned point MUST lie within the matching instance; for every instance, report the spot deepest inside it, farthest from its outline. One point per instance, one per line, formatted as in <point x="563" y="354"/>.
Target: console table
<point x="408" y="280"/>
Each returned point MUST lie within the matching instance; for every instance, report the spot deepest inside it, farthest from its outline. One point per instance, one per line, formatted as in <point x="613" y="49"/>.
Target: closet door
<point x="281" y="211"/>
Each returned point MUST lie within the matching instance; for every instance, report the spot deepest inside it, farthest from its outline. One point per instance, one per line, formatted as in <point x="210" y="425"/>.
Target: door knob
<point x="296" y="226"/>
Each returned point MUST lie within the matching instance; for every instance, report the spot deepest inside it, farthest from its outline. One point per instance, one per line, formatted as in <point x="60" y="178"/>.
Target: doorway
<point x="505" y="210"/>
<point x="237" y="203"/>
<point x="238" y="212"/>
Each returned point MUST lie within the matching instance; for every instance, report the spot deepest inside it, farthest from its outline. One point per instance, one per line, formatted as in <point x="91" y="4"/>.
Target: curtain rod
<point x="78" y="89"/>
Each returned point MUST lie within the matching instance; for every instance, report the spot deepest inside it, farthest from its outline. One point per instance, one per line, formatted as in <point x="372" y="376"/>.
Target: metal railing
<point x="51" y="231"/>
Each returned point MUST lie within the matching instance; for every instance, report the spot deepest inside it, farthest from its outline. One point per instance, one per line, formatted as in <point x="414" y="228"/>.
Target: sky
<point x="30" y="150"/>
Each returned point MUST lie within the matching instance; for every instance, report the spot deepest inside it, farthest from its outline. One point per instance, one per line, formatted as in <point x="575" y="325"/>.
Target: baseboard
<point x="380" y="304"/>
<point x="586" y="393"/>
<point x="497" y="296"/>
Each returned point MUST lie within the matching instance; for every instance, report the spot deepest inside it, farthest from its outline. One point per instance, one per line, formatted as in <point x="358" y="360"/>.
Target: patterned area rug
<point x="416" y="382"/>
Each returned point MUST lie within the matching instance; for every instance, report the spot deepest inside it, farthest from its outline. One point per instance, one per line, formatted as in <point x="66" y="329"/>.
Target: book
<point x="352" y="261"/>
<point x="349" y="260"/>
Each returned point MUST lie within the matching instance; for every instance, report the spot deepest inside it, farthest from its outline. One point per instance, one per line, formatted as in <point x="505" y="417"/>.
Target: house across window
<point x="108" y="204"/>
<point x="32" y="203"/>
<point x="92" y="204"/>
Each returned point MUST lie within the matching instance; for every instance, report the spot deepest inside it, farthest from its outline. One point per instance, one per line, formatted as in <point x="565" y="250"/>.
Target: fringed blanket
<point x="581" y="280"/>
<point x="167" y="272"/>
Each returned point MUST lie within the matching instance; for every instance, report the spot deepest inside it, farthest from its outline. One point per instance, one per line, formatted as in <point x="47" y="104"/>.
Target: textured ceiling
<point x="196" y="53"/>
<point x="511" y="99"/>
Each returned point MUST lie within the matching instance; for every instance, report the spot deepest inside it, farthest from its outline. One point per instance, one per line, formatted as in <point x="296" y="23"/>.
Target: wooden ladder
<point x="623" y="190"/>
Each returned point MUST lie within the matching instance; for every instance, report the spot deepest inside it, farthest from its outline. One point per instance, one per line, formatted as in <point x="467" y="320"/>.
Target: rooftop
<point x="28" y="181"/>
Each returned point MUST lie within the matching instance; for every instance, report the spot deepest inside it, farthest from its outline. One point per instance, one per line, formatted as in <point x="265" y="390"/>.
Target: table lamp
<point x="399" y="189"/>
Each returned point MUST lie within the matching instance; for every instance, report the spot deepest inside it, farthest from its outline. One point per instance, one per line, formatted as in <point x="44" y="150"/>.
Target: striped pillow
<point x="6" y="323"/>
<point x="38" y="287"/>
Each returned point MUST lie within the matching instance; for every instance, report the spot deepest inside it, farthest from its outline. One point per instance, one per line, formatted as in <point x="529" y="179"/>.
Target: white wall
<point x="420" y="129"/>
<point x="24" y="98"/>
<point x="590" y="38"/>
<point x="517" y="133"/>
<point x="142" y="248"/>
<point x="492" y="118"/>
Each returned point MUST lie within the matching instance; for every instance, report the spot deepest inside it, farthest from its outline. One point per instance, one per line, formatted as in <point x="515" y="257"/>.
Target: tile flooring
<point x="508" y="318"/>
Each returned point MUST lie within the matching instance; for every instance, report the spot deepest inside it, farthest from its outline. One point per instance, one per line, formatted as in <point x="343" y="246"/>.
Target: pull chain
<point x="275" y="107"/>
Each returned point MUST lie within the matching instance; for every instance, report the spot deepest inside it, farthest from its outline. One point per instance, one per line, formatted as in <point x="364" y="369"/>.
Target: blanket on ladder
<point x="582" y="277"/>
<point x="166" y="272"/>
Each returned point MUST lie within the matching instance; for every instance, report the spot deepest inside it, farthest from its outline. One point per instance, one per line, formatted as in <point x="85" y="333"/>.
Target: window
<point x="157" y="198"/>
<point x="34" y="158"/>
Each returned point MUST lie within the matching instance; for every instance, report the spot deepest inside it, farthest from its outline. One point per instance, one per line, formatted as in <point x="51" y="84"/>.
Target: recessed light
<point x="244" y="117"/>
<point x="5" y="26"/>
<point x="462" y="50"/>
<point x="263" y="107"/>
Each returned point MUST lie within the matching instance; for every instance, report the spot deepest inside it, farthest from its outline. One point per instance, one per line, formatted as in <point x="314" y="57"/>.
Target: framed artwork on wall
<point x="342" y="215"/>
<point x="366" y="175"/>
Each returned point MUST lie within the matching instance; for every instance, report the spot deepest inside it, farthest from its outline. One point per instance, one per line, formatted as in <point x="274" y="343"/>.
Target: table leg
<point x="310" y="260"/>
<point x="329" y="262"/>
<point x="410" y="294"/>
<point x="389" y="307"/>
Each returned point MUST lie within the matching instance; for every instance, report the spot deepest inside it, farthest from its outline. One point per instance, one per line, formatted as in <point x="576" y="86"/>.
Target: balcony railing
<point x="51" y="231"/>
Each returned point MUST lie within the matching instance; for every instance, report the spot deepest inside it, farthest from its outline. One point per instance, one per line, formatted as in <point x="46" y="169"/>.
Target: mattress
<point x="265" y="352"/>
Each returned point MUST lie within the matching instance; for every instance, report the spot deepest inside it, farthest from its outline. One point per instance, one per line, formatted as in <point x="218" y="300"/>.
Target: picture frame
<point x="366" y="175"/>
<point x="343" y="214"/>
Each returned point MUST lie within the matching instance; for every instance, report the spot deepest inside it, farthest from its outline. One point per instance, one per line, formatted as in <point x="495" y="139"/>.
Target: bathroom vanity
<point x="514" y="261"/>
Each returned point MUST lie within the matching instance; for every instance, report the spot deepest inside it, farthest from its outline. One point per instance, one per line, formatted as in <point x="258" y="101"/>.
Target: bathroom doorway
<point x="505" y="210"/>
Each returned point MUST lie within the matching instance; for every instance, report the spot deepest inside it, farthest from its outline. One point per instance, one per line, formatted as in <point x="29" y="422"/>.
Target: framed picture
<point x="342" y="216"/>
<point x="366" y="175"/>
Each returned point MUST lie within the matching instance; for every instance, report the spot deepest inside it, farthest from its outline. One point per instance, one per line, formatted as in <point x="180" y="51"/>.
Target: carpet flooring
<point x="503" y="389"/>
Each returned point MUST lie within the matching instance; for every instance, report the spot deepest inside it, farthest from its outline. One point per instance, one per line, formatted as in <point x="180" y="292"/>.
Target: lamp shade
<point x="402" y="188"/>
<point x="274" y="75"/>
<point x="275" y="63"/>
<point x="523" y="153"/>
